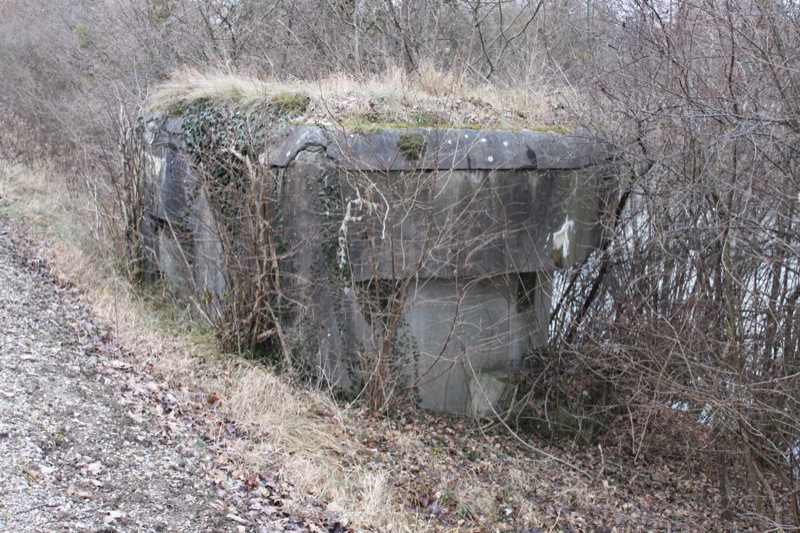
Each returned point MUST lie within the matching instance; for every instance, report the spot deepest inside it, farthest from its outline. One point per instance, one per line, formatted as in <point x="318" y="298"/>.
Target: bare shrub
<point x="692" y="304"/>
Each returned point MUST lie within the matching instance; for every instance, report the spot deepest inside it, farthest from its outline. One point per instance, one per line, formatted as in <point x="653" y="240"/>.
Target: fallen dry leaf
<point x="79" y="493"/>
<point x="251" y="482"/>
<point x="238" y="519"/>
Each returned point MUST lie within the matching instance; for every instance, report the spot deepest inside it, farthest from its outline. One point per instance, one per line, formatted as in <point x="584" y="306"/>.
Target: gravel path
<point x="78" y="449"/>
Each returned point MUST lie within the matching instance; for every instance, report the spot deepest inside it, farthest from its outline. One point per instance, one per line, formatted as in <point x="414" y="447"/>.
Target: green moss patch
<point x="290" y="102"/>
<point x="412" y="145"/>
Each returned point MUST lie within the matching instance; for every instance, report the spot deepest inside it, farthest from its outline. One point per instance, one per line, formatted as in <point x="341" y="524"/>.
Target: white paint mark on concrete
<point x="561" y="237"/>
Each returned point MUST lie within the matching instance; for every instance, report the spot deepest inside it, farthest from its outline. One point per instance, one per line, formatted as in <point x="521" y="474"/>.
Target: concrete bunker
<point x="426" y="254"/>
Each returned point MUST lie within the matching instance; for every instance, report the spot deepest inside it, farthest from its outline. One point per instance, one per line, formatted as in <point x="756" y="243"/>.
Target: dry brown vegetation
<point x="389" y="99"/>
<point x="680" y="335"/>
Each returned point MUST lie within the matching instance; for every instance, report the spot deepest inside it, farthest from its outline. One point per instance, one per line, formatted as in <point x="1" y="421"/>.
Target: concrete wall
<point x="464" y="235"/>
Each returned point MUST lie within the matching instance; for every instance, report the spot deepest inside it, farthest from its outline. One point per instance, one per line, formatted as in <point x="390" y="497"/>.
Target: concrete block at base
<point x="455" y="332"/>
<point x="487" y="393"/>
<point x="174" y="265"/>
<point x="207" y="254"/>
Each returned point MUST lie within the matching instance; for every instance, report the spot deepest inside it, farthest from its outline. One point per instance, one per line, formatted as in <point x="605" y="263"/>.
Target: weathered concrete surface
<point x="486" y="334"/>
<point x="458" y="149"/>
<point x="462" y="237"/>
<point x="469" y="223"/>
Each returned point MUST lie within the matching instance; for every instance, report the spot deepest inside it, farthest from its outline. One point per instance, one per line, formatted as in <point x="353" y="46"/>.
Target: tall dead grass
<point x="394" y="95"/>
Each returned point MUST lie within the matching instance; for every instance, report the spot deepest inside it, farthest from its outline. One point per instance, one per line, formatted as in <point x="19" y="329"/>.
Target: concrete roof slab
<point x="461" y="149"/>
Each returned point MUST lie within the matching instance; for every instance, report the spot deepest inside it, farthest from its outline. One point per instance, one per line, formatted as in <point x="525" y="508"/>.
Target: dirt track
<point x="87" y="443"/>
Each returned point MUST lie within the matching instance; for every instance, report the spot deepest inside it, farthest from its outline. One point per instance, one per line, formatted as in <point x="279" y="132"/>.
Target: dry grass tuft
<point x="34" y="193"/>
<point x="187" y="86"/>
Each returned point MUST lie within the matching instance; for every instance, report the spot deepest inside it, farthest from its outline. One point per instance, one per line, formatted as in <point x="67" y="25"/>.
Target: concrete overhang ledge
<point x="443" y="149"/>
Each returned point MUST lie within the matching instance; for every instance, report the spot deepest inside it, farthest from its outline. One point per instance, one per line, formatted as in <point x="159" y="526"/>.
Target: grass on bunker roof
<point x="394" y="99"/>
